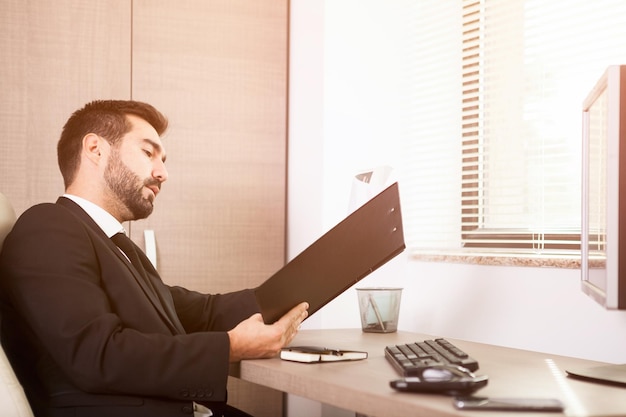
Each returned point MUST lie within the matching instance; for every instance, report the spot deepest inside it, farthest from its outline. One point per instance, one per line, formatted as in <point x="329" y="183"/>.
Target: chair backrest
<point x="13" y="401"/>
<point x="7" y="217"/>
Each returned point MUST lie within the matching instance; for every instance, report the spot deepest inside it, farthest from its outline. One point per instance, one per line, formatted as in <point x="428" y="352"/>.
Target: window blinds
<point x="504" y="175"/>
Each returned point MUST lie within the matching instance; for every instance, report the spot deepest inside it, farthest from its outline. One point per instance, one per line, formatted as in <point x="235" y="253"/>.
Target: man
<point x="87" y="323"/>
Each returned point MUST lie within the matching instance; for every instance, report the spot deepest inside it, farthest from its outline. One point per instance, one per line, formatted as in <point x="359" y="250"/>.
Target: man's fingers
<point x="293" y="319"/>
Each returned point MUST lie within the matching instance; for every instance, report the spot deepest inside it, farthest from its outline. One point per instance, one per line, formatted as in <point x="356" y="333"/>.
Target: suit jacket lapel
<point x="172" y="321"/>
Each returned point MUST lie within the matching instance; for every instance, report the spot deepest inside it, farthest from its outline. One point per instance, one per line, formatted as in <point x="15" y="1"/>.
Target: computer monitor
<point x="603" y="231"/>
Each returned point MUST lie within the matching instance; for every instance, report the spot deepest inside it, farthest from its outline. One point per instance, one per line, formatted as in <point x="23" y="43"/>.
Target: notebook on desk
<point x="358" y="245"/>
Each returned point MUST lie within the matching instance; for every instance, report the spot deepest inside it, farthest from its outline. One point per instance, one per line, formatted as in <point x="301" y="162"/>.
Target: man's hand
<point x="253" y="339"/>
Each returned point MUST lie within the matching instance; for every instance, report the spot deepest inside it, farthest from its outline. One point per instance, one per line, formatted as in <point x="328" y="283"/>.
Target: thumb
<point x="257" y="317"/>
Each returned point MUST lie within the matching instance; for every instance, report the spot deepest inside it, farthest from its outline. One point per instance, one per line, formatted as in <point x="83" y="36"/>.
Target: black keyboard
<point x="408" y="358"/>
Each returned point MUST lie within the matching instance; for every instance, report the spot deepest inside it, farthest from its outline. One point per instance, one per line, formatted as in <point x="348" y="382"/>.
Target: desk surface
<point x="363" y="386"/>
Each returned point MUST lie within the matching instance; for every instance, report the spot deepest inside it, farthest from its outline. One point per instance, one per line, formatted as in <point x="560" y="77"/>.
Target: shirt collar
<point x="103" y="218"/>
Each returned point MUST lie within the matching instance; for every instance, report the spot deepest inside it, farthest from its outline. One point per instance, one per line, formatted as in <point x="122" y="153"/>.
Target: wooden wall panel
<point x="54" y="57"/>
<point x="218" y="70"/>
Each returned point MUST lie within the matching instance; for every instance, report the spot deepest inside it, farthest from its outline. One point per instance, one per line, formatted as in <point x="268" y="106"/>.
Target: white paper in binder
<point x="368" y="184"/>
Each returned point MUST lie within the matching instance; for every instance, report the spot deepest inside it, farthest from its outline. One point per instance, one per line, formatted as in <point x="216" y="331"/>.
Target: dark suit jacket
<point x="80" y="330"/>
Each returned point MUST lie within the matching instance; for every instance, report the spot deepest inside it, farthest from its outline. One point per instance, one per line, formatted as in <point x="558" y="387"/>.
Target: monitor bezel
<point x="611" y="293"/>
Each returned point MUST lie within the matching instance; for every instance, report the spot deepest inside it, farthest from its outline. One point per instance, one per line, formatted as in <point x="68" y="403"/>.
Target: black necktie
<point x="128" y="247"/>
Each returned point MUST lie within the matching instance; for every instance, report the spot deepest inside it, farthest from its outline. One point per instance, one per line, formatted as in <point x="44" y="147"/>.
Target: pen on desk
<point x="316" y="349"/>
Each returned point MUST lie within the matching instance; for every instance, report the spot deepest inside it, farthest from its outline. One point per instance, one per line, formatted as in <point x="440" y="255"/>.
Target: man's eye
<point x="148" y="153"/>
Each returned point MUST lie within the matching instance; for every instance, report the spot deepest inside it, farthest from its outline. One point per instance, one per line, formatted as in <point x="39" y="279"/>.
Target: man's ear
<point x="93" y="147"/>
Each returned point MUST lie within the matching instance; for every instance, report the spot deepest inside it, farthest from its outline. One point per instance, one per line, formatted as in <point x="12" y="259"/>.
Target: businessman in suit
<point x="87" y="323"/>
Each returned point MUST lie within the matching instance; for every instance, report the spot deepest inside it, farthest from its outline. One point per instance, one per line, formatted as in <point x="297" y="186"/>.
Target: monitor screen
<point x="603" y="256"/>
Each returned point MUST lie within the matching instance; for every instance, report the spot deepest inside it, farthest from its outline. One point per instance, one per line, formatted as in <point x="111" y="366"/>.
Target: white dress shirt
<point x="103" y="218"/>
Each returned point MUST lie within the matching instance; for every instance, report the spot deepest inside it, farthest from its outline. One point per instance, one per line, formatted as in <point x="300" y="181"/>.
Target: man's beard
<point x="128" y="187"/>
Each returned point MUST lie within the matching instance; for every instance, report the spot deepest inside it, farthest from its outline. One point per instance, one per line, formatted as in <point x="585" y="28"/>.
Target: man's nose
<point x="160" y="172"/>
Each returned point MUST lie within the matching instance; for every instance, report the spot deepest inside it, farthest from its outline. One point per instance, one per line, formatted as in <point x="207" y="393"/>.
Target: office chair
<point x="13" y="402"/>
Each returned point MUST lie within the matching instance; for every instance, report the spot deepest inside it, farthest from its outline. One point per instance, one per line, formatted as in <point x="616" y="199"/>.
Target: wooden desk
<point x="363" y="386"/>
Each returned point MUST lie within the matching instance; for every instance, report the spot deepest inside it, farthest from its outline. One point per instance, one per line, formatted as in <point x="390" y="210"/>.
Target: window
<point x="504" y="176"/>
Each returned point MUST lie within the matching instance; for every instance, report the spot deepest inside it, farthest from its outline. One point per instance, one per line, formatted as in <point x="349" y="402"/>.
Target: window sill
<point x="559" y="260"/>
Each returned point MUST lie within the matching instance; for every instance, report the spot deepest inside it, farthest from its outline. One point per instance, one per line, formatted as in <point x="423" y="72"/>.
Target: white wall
<point x="541" y="309"/>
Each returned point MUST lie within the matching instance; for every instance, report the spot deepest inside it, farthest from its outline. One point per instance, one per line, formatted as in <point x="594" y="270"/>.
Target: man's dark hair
<point x="105" y="118"/>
